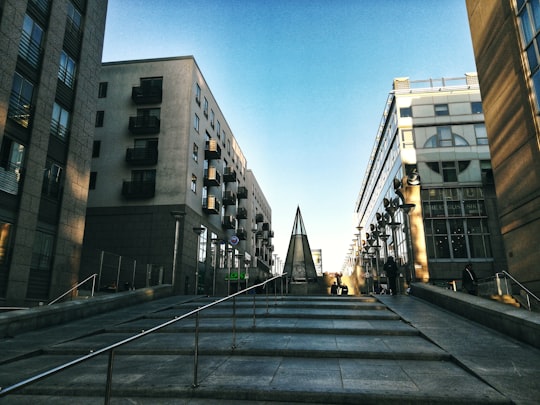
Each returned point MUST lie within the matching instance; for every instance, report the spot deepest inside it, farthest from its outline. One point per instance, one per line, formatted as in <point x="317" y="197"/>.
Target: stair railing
<point x="528" y="293"/>
<point x="93" y="277"/>
<point x="111" y="348"/>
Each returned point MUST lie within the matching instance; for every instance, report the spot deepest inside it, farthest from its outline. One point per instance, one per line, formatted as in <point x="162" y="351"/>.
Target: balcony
<point x="229" y="222"/>
<point x="229" y="175"/>
<point x="259" y="218"/>
<point x="229" y="198"/>
<point x="212" y="150"/>
<point x="146" y="94"/>
<point x="212" y="178"/>
<point x="138" y="189"/>
<point x="242" y="193"/>
<point x="266" y="226"/>
<point x="241" y="233"/>
<point x="241" y="213"/>
<point x="144" y="125"/>
<point x="211" y="205"/>
<point x="142" y="156"/>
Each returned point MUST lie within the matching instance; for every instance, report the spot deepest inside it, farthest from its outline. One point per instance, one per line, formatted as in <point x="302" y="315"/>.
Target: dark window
<point x="100" y="116"/>
<point x="441" y="109"/>
<point x="96" y="148"/>
<point x="476" y="107"/>
<point x="93" y="180"/>
<point x="405" y="112"/>
<point x="102" y="92"/>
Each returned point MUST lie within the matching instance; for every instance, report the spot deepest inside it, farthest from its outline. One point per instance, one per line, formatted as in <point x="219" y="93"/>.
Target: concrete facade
<point x="51" y="57"/>
<point x="430" y="160"/>
<point x="162" y="145"/>
<point x="506" y="61"/>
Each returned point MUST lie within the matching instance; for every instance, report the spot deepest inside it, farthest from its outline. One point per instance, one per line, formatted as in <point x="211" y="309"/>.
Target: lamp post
<point x="198" y="231"/>
<point x="177" y="215"/>
<point x="407" y="208"/>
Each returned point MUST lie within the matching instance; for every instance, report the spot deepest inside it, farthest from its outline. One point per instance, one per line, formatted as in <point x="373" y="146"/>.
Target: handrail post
<point x="93" y="284"/>
<point x="254" y="310"/>
<point x="196" y="352"/>
<point x="108" y="386"/>
<point x="234" y="324"/>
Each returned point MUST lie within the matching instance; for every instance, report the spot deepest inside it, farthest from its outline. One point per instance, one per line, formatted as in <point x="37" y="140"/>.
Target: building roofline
<point x="124" y="62"/>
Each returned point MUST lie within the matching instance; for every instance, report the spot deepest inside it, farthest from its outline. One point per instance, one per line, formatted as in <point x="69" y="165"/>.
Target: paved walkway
<point x="302" y="349"/>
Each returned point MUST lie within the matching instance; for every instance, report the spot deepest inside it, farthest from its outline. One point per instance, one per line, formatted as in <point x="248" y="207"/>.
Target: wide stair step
<point x="322" y="350"/>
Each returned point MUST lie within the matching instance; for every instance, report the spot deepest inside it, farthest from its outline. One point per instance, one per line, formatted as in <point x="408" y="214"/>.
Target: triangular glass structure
<point x="299" y="264"/>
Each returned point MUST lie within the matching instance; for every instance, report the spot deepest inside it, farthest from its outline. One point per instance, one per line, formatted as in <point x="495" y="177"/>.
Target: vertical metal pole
<point x="93" y="284"/>
<point x="100" y="268"/>
<point x="229" y="273"/>
<point x="175" y="251"/>
<point x="133" y="278"/>
<point x="234" y="324"/>
<point x="196" y="352"/>
<point x="118" y="272"/>
<point x="254" y="310"/>
<point x="108" y="386"/>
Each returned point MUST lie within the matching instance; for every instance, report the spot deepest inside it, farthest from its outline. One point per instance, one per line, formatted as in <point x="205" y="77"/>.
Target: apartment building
<point x="505" y="37"/>
<point x="428" y="198"/>
<point x="51" y="56"/>
<point x="169" y="184"/>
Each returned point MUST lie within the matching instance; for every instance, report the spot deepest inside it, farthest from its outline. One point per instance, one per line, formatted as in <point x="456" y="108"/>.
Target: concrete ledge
<point x="17" y="322"/>
<point x="515" y="322"/>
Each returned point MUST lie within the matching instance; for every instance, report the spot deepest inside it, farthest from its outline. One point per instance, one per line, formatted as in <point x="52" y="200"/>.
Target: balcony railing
<point x="242" y="193"/>
<point x="30" y="50"/>
<point x="259" y="218"/>
<point x="146" y="94"/>
<point x="212" y="150"/>
<point x="19" y="110"/>
<point x="144" y="125"/>
<point x="241" y="233"/>
<point x="229" y="198"/>
<point x="212" y="178"/>
<point x="211" y="205"/>
<point x="139" y="189"/>
<point x="241" y="213"/>
<point x="142" y="156"/>
<point x="10" y="176"/>
<point x="229" y="175"/>
<point x="229" y="222"/>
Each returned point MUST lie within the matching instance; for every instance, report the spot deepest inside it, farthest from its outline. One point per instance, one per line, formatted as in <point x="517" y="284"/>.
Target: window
<point x="59" y="122"/>
<point x="218" y="129"/>
<point x="449" y="171"/>
<point x="93" y="181"/>
<point x="20" y="100"/>
<point x="52" y="179"/>
<point x="100" y="115"/>
<point x="195" y="153"/>
<point x="193" y="183"/>
<point x="196" y="123"/>
<point x="5" y="236"/>
<point x="445" y="138"/>
<point x="66" y="71"/>
<point x="96" y="149"/>
<point x="30" y="45"/>
<point x="481" y="134"/>
<point x="42" y="250"/>
<point x="455" y="222"/>
<point x="476" y="107"/>
<point x="74" y="18"/>
<point x="197" y="93"/>
<point x="102" y="91"/>
<point x="205" y="109"/>
<point x="143" y="176"/>
<point x="441" y="109"/>
<point x="212" y="117"/>
<point x="152" y="82"/>
<point x="528" y="13"/>
<point x="405" y="112"/>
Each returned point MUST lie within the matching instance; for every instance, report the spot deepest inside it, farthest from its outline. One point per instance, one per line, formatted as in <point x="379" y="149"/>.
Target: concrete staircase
<point x="311" y="349"/>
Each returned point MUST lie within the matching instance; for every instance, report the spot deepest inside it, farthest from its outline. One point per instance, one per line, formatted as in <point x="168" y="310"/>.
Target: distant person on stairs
<point x="469" y="281"/>
<point x="391" y="270"/>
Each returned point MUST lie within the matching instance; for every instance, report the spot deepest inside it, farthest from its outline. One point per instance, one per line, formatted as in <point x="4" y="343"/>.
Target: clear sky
<point x="303" y="85"/>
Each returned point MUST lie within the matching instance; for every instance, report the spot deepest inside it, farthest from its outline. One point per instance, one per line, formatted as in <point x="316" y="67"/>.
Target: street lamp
<point x="198" y="231"/>
<point x="177" y="215"/>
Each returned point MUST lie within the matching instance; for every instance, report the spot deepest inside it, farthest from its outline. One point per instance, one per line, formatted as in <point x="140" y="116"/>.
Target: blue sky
<point x="302" y="84"/>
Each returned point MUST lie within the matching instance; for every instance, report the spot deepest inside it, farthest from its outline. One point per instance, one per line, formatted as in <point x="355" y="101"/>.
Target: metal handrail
<point x="527" y="291"/>
<point x="111" y="348"/>
<point x="76" y="286"/>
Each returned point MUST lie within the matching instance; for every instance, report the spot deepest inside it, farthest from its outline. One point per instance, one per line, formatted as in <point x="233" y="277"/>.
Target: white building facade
<point x="428" y="198"/>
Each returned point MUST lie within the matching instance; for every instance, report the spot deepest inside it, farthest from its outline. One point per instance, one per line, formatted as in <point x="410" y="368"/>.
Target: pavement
<point x="283" y="350"/>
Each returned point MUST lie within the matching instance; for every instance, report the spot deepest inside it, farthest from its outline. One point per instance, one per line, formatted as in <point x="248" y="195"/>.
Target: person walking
<point x="391" y="270"/>
<point x="469" y="281"/>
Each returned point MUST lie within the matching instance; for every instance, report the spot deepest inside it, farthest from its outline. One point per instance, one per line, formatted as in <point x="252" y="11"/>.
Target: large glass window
<point x="455" y="222"/>
<point x="74" y="18"/>
<point x="20" y="100"/>
<point x="66" y="72"/>
<point x="529" y="20"/>
<point x="5" y="236"/>
<point x="30" y="45"/>
<point x="52" y="179"/>
<point x="445" y="138"/>
<point x="11" y="162"/>
<point x="42" y="251"/>
<point x="59" y="122"/>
